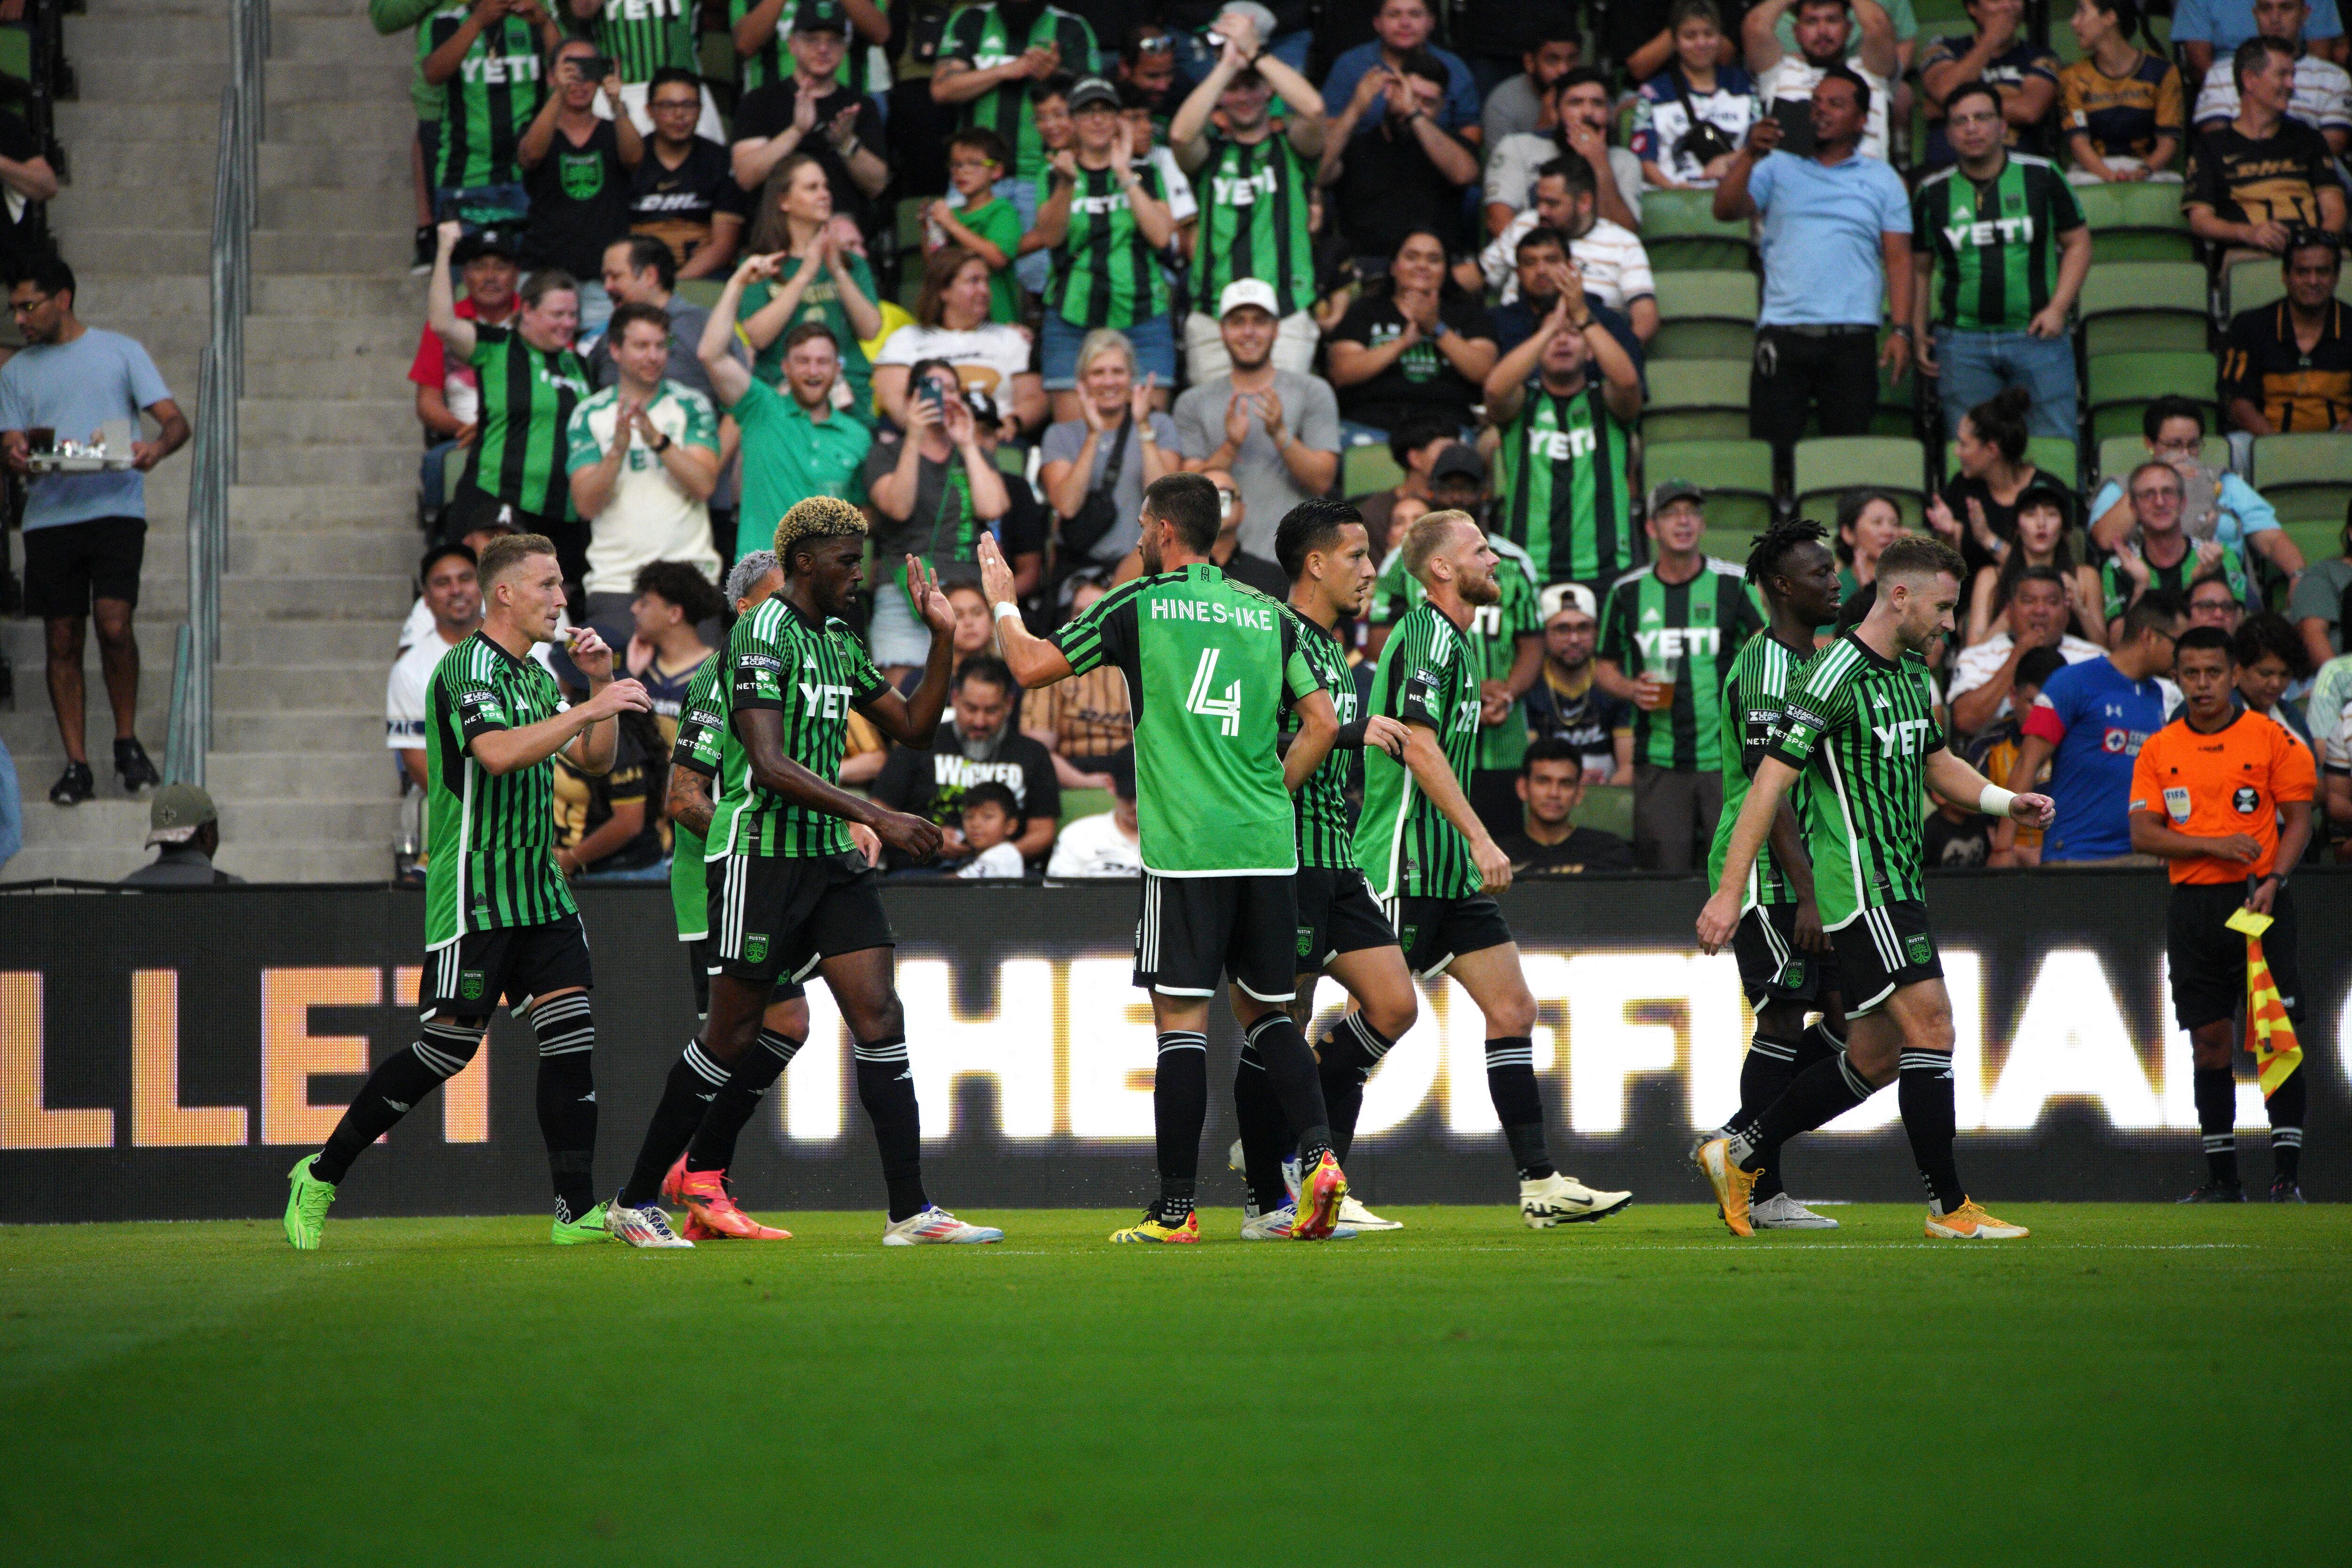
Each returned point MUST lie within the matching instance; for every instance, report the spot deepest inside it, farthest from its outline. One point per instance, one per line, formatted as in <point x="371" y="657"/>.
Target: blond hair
<point x="1428" y="535"/>
<point x="507" y="552"/>
<point x="818" y="517"/>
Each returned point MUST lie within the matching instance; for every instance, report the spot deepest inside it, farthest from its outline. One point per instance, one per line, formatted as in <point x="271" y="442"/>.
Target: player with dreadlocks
<point x="1786" y="967"/>
<point x="790" y="895"/>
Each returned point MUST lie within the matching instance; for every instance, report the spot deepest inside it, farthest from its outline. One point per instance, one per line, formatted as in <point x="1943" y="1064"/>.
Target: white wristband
<point x="1008" y="611"/>
<point x="1995" y="801"/>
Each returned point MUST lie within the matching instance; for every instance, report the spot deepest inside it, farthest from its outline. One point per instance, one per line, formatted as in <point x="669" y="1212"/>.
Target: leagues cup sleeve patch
<point x="1421" y="699"/>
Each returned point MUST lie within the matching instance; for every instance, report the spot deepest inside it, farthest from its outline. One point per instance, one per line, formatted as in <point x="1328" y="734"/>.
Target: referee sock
<point x="2217" y="1119"/>
<point x="1180" y="1109"/>
<point x="393" y="1088"/>
<point x="1292" y="1075"/>
<point x="886" y="1087"/>
<point x="1265" y="1133"/>
<point x="567" y="1100"/>
<point x="695" y="1079"/>
<point x="1349" y="1055"/>
<point x="1924" y="1086"/>
<point x="1822" y="1092"/>
<point x="1770" y="1068"/>
<point x="2286" y="1107"/>
<point x="737" y="1100"/>
<point x="1511" y="1082"/>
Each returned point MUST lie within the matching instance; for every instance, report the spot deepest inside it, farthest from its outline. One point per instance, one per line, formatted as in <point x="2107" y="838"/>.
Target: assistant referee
<point x="2210" y="793"/>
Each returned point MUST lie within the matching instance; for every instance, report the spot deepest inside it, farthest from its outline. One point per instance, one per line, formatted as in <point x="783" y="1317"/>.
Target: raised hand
<point x="590" y="654"/>
<point x="760" y="269"/>
<point x="923" y="588"/>
<point x="1139" y="402"/>
<point x="804" y="113"/>
<point x="1238" y="413"/>
<point x="996" y="579"/>
<point x="962" y="427"/>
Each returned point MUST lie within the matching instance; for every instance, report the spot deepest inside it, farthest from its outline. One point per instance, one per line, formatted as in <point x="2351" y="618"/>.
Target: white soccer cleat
<point x="1563" y="1200"/>
<point x="934" y="1227"/>
<point x="1781" y="1212"/>
<point x="647" y="1228"/>
<point x="1352" y="1213"/>
<point x="1276" y="1226"/>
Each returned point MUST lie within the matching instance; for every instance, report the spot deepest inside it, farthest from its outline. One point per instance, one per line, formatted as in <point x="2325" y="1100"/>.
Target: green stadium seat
<point x="1078" y="803"/>
<point x="1730" y="544"/>
<point x="2120" y="455"/>
<point x="2307" y="478"/>
<point x="1696" y="400"/>
<point x="1704" y="315"/>
<point x="1607" y="807"/>
<point x="1827" y="466"/>
<point x="2318" y="540"/>
<point x="702" y="291"/>
<point x="910" y="224"/>
<point x="1012" y="458"/>
<point x="2136" y="222"/>
<point x="1736" y="474"/>
<point x="1680" y="232"/>
<point x="16" y="54"/>
<point x="2051" y="453"/>
<point x="2145" y="307"/>
<point x="2251" y="286"/>
<point x="1368" y="469"/>
<point x="2121" y="385"/>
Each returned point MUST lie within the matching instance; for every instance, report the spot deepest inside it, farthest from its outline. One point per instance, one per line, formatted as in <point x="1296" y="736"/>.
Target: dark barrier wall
<point x="169" y="1055"/>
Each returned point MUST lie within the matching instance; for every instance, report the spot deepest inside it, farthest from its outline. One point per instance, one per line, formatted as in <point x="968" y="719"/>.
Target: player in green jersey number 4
<point x="791" y="895"/>
<point x="1434" y="864"/>
<point x="1861" y="728"/>
<point x="499" y="922"/>
<point x="1209" y="665"/>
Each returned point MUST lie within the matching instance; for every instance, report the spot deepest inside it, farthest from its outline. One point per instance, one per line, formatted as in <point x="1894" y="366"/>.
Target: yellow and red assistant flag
<point x="2270" y="1033"/>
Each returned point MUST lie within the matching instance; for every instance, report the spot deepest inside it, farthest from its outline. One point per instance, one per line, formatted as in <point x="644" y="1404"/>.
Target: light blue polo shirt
<point x="73" y="388"/>
<point x="1823" y="264"/>
<point x="2226" y="23"/>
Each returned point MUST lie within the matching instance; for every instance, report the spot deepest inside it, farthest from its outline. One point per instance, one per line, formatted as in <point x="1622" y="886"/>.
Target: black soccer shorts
<point x="1433" y="933"/>
<point x="466" y="978"/>
<point x="1881" y="950"/>
<point x="1337" y="914"/>
<point x="70" y="565"/>
<point x="778" y="916"/>
<point x="698" y="963"/>
<point x="1772" y="967"/>
<point x="1195" y="931"/>
<point x="2208" y="959"/>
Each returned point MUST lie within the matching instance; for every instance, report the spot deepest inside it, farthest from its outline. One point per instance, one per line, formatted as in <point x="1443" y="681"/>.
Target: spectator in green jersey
<point x="641" y="38"/>
<point x="764" y="31"/>
<point x="485" y="61"/>
<point x="992" y="51"/>
<point x="818" y="278"/>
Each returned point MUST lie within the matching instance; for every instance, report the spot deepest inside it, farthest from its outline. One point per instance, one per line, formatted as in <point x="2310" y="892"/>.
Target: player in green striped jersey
<point x="484" y="57"/>
<point x="1209" y="665"/>
<point x="1786" y="967"/>
<point x="992" y="53"/>
<point x="1566" y="401"/>
<point x="1432" y="863"/>
<point x="500" y="924"/>
<point x="792" y="896"/>
<point x="1860" y="726"/>
<point x="1107" y="227"/>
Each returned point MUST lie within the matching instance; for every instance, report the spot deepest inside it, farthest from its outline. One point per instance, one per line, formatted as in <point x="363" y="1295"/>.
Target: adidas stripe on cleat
<point x="647" y="1228"/>
<point x="935" y="1225"/>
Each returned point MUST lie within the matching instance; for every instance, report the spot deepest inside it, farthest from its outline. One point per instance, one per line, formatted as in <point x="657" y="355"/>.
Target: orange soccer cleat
<point x="711" y="1214"/>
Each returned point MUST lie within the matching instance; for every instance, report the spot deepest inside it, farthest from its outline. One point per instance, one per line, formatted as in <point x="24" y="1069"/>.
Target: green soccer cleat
<point x="589" y="1227"/>
<point x="306" y="1206"/>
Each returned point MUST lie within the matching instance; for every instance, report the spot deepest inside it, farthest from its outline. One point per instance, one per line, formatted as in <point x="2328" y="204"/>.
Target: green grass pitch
<point x="2137" y="1385"/>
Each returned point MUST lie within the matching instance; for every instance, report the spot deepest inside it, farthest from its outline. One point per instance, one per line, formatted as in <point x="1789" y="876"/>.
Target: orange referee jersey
<point x="2230" y="781"/>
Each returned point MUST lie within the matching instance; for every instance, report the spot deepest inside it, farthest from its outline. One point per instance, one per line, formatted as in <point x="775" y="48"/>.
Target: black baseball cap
<point x="1090" y="89"/>
<point x="492" y="241"/>
<point x="1459" y="458"/>
<point x="821" y="17"/>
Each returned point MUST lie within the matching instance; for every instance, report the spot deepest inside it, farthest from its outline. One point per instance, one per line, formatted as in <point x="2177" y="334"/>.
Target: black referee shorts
<point x="778" y="916"/>
<point x="2208" y="959"/>
<point x="1881" y="950"/>
<point x="1772" y="967"/>
<point x="1433" y="933"/>
<point x="468" y="978"/>
<point x="1196" y="931"/>
<point x="1337" y="914"/>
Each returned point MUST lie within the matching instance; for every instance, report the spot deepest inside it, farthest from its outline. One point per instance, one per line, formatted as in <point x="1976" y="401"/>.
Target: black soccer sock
<point x="1822" y="1092"/>
<point x="1924" y="1087"/>
<point x="2286" y="1105"/>
<point x="1266" y="1136"/>
<point x="1765" y="1077"/>
<point x="392" y="1090"/>
<point x="2217" y="1119"/>
<point x="1350" y="1053"/>
<point x="1820" y="1042"/>
<point x="1291" y="1074"/>
<point x="567" y="1100"/>
<point x="1180" y="1109"/>
<point x="886" y="1087"/>
<point x="695" y="1080"/>
<point x="1511" y="1082"/>
<point x="738" y="1100"/>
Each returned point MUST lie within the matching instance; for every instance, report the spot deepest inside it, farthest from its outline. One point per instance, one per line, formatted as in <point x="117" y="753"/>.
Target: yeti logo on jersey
<point x="1229" y="192"/>
<point x="2244" y="800"/>
<point x="1902" y="738"/>
<point x="1202" y="700"/>
<point x="826" y="702"/>
<point x="469" y="985"/>
<point x="1558" y="445"/>
<point x="755" y="947"/>
<point x="1678" y="642"/>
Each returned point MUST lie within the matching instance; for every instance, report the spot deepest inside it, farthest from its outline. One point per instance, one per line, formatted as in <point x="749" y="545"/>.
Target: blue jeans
<point x="1977" y="366"/>
<point x="1152" y="338"/>
<point x="12" y="809"/>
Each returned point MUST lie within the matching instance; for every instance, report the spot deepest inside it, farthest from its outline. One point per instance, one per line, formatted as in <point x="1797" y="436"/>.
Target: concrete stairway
<point x="322" y="536"/>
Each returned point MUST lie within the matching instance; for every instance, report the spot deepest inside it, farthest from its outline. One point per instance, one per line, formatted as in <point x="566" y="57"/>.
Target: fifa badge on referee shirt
<point x="2176" y="803"/>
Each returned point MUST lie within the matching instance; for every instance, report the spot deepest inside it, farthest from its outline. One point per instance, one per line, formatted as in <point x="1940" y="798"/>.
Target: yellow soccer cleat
<point x="1320" y="1192"/>
<point x="1970" y="1223"/>
<point x="1732" y="1185"/>
<point x="1151" y="1229"/>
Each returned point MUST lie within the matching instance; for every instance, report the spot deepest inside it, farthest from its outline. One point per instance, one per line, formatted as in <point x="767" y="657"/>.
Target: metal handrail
<point x="220" y="383"/>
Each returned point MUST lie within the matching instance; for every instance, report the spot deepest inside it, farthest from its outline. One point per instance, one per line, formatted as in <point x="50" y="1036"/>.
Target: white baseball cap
<point x="1248" y="291"/>
<point x="1562" y="597"/>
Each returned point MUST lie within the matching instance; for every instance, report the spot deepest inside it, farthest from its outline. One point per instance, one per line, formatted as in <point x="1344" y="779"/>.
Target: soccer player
<point x="1342" y="930"/>
<point x="1209" y="664"/>
<point x="793" y="896"/>
<point x="1786" y="967"/>
<point x="499" y="919"/>
<point x="1861" y="727"/>
<point x="2208" y="792"/>
<point x="1433" y="865"/>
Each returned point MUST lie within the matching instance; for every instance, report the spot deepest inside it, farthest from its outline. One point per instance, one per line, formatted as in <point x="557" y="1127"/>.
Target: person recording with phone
<point x="936" y="490"/>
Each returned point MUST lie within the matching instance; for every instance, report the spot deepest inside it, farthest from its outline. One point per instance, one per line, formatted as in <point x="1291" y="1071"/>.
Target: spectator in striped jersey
<point x="2321" y="94"/>
<point x="643" y="38"/>
<point x="484" y="60"/>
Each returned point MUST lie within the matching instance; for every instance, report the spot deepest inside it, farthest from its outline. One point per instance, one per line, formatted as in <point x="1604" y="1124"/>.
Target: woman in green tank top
<point x="819" y="281"/>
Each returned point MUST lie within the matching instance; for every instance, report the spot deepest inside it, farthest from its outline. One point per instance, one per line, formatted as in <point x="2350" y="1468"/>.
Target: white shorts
<point x="895" y="634"/>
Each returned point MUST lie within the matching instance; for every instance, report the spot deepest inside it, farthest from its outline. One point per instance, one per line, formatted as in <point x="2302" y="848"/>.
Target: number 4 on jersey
<point x="1226" y="708"/>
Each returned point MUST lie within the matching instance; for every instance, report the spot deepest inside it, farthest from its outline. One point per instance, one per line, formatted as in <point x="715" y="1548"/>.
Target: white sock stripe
<point x="1183" y="1040"/>
<point x="464" y="1035"/>
<point x="1374" y="1047"/>
<point x="1249" y="1056"/>
<point x="564" y="1007"/>
<point x="1265" y="1022"/>
<point x="1854" y="1080"/>
<point x="440" y="1063"/>
<point x="2290" y="1136"/>
<point x="882" y="1055"/>
<point x="704" y="1067"/>
<point x="1929" y="1061"/>
<point x="782" y="1046"/>
<point x="1522" y="1057"/>
<point x="1773" y="1050"/>
<point x="569" y="1042"/>
<point x="2220" y="1142"/>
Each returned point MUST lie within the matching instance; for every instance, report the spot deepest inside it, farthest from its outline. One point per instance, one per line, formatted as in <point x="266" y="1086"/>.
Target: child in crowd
<point x="992" y="820"/>
<point x="983" y="223"/>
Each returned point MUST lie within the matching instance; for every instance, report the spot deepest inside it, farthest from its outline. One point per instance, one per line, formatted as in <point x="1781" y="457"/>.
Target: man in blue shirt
<point x="2208" y="31"/>
<point x="1403" y="25"/>
<point x="1836" y="240"/>
<point x="2089" y="724"/>
<point x="85" y="534"/>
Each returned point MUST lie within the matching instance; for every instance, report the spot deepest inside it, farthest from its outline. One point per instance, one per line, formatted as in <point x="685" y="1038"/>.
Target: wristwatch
<point x="662" y="445"/>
